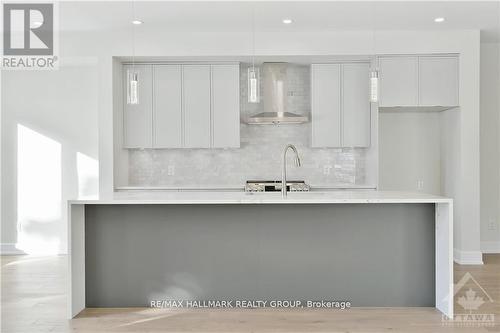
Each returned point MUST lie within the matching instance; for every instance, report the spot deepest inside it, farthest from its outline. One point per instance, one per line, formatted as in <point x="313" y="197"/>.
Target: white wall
<point x="155" y="42"/>
<point x="410" y="151"/>
<point x="49" y="153"/>
<point x="490" y="148"/>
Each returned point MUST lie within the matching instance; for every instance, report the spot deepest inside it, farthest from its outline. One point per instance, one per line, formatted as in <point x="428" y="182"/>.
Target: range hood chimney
<point x="275" y="94"/>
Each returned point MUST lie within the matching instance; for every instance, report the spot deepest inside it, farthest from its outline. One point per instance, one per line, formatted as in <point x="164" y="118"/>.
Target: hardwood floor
<point x="34" y="300"/>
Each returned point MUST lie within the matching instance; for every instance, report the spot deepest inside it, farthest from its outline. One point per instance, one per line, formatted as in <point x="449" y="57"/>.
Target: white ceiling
<point x="307" y="15"/>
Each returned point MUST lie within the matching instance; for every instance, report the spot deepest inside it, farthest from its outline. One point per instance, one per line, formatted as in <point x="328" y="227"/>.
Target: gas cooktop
<point x="275" y="186"/>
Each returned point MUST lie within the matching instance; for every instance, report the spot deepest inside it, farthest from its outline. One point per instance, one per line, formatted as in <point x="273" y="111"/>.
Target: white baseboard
<point x="7" y="249"/>
<point x="490" y="247"/>
<point x="467" y="257"/>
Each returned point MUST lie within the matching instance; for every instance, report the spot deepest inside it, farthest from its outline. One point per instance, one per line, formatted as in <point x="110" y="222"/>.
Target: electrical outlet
<point x="171" y="170"/>
<point x="326" y="169"/>
<point x="492" y="224"/>
<point x="420" y="185"/>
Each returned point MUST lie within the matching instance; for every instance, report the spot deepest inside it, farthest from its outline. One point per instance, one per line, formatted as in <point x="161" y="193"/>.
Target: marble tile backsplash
<point x="259" y="156"/>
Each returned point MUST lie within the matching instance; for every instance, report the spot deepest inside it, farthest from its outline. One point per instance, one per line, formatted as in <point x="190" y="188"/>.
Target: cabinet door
<point x="398" y="81"/>
<point x="225" y="106"/>
<point x="137" y="118"/>
<point x="326" y="105"/>
<point x="356" y="118"/>
<point x="196" y="97"/>
<point x="438" y="81"/>
<point x="167" y="107"/>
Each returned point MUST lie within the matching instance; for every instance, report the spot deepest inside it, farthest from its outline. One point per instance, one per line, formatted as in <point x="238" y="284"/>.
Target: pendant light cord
<point x="133" y="36"/>
<point x="374" y="34"/>
<point x="253" y="38"/>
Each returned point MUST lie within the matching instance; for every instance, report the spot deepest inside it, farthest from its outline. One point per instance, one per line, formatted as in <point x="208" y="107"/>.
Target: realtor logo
<point x="470" y="296"/>
<point x="28" y="29"/>
<point x="29" y="36"/>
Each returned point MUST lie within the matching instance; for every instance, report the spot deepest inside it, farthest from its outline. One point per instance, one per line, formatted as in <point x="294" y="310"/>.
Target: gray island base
<point x="376" y="254"/>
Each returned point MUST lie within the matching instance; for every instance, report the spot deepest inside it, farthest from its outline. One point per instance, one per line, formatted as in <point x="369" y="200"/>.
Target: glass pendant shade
<point x="253" y="85"/>
<point x="132" y="87"/>
<point x="374" y="86"/>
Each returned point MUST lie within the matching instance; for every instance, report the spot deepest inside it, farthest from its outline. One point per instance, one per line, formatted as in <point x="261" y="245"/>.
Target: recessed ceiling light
<point x="439" y="19"/>
<point x="287" y="21"/>
<point x="137" y="22"/>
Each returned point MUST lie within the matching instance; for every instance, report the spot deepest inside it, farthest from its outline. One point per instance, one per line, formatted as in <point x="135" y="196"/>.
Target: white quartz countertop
<point x="240" y="197"/>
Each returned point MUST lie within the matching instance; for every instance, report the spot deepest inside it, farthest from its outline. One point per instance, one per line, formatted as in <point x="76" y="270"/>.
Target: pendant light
<point x="374" y="72"/>
<point x="133" y="81"/>
<point x="132" y="74"/>
<point x="374" y="85"/>
<point x="253" y="72"/>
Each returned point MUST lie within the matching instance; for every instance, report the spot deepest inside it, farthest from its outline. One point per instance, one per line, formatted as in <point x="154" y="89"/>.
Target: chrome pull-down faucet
<point x="283" y="172"/>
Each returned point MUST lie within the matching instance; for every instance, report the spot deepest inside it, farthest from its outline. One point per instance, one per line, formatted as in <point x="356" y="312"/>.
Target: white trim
<point x="76" y="259"/>
<point x="443" y="257"/>
<point x="9" y="249"/>
<point x="490" y="247"/>
<point x="467" y="257"/>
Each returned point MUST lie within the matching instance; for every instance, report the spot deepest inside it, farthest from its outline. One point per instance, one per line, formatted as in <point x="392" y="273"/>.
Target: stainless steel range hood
<point x="275" y="93"/>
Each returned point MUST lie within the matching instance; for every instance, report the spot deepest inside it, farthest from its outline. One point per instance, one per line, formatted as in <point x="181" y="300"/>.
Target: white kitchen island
<point x="219" y="222"/>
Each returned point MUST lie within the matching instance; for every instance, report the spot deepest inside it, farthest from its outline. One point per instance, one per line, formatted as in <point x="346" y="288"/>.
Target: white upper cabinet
<point x="137" y="118"/>
<point x="341" y="115"/>
<point x="438" y="81"/>
<point x="419" y="81"/>
<point x="326" y="105"/>
<point x="184" y="106"/>
<point x="356" y="118"/>
<point x="196" y="111"/>
<point x="226" y="106"/>
<point x="167" y="106"/>
<point x="398" y="81"/>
